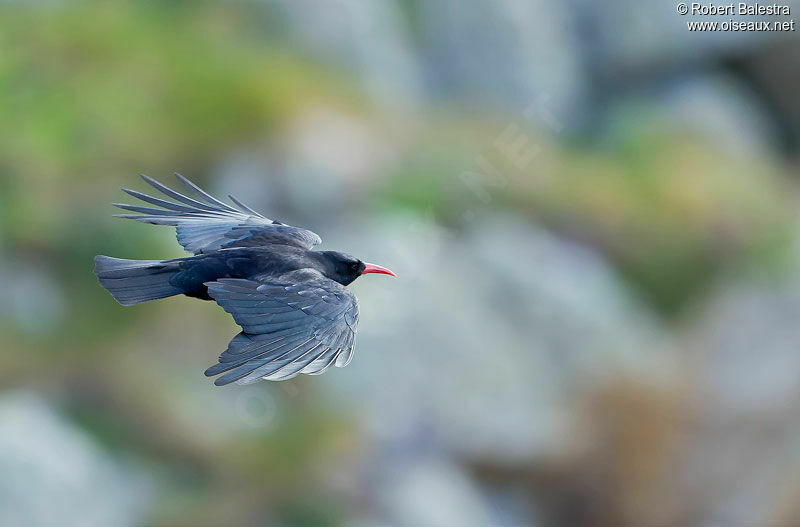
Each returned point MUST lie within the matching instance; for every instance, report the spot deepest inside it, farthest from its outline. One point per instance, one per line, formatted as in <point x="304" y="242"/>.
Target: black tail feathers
<point x="135" y="281"/>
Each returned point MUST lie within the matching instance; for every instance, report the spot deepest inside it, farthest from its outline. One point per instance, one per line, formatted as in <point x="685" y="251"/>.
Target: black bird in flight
<point x="296" y="314"/>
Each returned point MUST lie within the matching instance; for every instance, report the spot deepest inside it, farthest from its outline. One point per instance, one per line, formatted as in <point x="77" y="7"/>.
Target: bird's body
<point x="296" y="314"/>
<point x="255" y="263"/>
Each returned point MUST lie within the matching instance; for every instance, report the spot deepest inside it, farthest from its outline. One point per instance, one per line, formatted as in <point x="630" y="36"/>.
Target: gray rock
<point x="52" y="474"/>
<point x="511" y="54"/>
<point x="484" y="341"/>
<point x="743" y="364"/>
<point x="368" y="38"/>
<point x="716" y="109"/>
<point x="32" y="300"/>
<point x="648" y="34"/>
<point x="323" y="164"/>
<point x="745" y="341"/>
<point x="431" y="492"/>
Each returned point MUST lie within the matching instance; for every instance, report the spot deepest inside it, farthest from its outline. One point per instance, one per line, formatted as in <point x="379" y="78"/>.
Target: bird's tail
<point x="135" y="281"/>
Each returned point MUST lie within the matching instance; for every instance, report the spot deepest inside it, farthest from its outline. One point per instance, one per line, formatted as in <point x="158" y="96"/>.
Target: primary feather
<point x="214" y="225"/>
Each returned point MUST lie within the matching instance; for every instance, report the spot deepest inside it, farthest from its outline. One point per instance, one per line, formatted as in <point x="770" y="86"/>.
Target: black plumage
<point x="296" y="314"/>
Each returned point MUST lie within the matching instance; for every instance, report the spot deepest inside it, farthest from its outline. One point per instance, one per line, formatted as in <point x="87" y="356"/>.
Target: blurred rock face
<point x="481" y="350"/>
<point x="507" y="53"/>
<point x="523" y="357"/>
<point x="33" y="301"/>
<point x="368" y="38"/>
<point x="743" y="356"/>
<point x="724" y="112"/>
<point x="495" y="331"/>
<point x="54" y="475"/>
<point x="430" y="491"/>
<point x="575" y="59"/>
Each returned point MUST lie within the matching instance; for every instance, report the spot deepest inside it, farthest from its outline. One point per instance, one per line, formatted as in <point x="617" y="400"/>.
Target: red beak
<point x="372" y="268"/>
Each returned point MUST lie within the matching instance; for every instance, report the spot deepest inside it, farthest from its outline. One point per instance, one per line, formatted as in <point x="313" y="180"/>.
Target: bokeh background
<point x="592" y="213"/>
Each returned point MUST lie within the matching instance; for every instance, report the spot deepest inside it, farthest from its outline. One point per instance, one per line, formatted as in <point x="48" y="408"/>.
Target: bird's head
<point x="344" y="268"/>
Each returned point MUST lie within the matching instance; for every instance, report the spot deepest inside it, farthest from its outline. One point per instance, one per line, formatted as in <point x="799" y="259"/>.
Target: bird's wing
<point x="289" y="328"/>
<point x="207" y="224"/>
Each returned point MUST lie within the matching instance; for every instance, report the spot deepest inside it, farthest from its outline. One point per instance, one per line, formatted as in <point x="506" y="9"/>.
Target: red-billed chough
<point x="296" y="314"/>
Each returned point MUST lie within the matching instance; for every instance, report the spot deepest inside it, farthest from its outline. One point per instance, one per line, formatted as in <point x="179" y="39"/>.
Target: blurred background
<point x="592" y="213"/>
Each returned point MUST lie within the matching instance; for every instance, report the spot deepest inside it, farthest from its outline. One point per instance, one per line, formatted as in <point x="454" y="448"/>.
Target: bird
<point x="292" y="303"/>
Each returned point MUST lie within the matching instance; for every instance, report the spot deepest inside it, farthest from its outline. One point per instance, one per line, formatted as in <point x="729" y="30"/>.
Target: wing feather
<point x="175" y="195"/>
<point x="214" y="225"/>
<point x="322" y="363"/>
<point x="287" y="328"/>
<point x="208" y="197"/>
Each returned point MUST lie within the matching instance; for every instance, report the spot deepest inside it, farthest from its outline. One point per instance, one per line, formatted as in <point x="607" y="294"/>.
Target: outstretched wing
<point x="288" y="328"/>
<point x="209" y="225"/>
